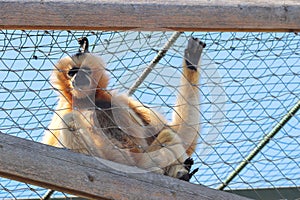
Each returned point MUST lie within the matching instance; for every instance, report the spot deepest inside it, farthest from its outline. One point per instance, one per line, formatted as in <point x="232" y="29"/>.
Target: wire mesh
<point x="249" y="81"/>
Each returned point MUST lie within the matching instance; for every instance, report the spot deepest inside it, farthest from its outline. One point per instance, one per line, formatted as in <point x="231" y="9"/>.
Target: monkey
<point x="93" y="120"/>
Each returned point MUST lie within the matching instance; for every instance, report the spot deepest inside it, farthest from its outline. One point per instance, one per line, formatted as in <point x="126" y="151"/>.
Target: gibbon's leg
<point x="186" y="115"/>
<point x="166" y="153"/>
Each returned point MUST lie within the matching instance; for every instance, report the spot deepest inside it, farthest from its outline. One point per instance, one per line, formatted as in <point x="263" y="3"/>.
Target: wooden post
<point x="180" y="15"/>
<point x="88" y="177"/>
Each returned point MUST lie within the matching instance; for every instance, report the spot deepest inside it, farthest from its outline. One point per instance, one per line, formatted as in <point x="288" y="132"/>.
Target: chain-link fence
<point x="249" y="83"/>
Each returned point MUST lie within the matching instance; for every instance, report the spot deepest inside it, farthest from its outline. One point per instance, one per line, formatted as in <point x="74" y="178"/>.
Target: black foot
<point x="193" y="53"/>
<point x="188" y="165"/>
<point x="84" y="45"/>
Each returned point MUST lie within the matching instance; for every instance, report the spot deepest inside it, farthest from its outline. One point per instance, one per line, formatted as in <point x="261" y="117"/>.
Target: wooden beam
<point x="180" y="15"/>
<point x="88" y="177"/>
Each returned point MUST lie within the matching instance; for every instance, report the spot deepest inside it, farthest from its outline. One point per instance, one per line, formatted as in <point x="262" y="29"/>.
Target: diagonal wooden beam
<point x="88" y="177"/>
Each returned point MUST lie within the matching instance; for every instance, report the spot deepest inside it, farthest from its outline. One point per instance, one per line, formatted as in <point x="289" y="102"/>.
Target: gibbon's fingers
<point x="193" y="52"/>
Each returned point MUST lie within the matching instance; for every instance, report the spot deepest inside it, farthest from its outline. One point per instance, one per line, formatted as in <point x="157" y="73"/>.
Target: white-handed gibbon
<point x="93" y="120"/>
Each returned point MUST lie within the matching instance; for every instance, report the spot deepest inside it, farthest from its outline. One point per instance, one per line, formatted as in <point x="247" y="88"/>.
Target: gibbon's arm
<point x="52" y="134"/>
<point x="173" y="145"/>
<point x="186" y="115"/>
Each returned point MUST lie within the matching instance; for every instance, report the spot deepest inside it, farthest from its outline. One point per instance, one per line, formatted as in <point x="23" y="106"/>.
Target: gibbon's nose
<point x="81" y="80"/>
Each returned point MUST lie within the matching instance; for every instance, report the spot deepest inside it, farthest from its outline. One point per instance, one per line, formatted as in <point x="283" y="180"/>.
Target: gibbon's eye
<point x="73" y="71"/>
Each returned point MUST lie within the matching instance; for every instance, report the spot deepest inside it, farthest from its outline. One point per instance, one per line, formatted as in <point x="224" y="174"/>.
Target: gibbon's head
<point x="80" y="76"/>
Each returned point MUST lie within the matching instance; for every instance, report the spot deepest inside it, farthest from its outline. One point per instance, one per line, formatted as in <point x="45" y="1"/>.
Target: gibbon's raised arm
<point x="186" y="114"/>
<point x="93" y="120"/>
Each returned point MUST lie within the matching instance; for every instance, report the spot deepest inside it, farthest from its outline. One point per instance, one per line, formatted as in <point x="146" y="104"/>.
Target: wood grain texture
<point x="88" y="177"/>
<point x="180" y="15"/>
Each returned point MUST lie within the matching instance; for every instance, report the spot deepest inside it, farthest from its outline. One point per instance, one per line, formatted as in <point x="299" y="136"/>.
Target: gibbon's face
<point x="80" y="75"/>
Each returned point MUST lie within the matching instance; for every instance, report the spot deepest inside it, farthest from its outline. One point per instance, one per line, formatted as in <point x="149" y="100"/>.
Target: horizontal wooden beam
<point x="89" y="177"/>
<point x="180" y="15"/>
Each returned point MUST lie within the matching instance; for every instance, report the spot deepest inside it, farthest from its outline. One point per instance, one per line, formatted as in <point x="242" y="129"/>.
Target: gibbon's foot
<point x="193" y="52"/>
<point x="188" y="165"/>
<point x="84" y="45"/>
<point x="188" y="176"/>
